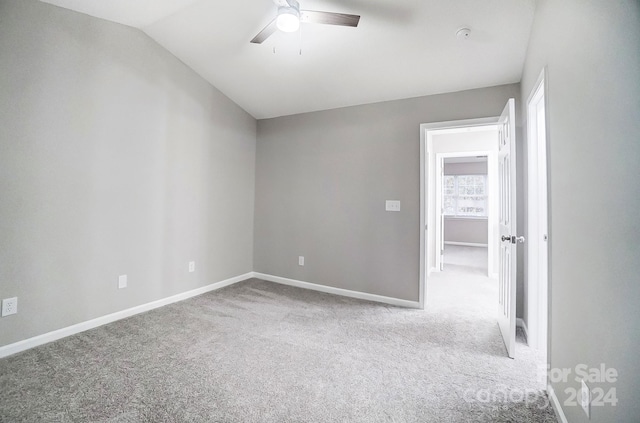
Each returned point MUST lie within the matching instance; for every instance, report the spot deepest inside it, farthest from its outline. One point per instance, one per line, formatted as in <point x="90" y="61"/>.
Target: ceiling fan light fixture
<point x="288" y="19"/>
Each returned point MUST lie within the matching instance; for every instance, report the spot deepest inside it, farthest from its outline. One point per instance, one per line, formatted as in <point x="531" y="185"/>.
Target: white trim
<point x="438" y="172"/>
<point x="448" y="217"/>
<point x="556" y="405"/>
<point x="423" y="222"/>
<point x="466" y="244"/>
<point x="35" y="341"/>
<point x="521" y="323"/>
<point x="537" y="252"/>
<point x="338" y="291"/>
<point x="464" y="123"/>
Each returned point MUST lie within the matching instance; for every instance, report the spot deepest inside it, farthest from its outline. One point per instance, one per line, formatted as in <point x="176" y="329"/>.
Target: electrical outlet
<point x="301" y="261"/>
<point x="122" y="281"/>
<point x="192" y="266"/>
<point x="585" y="399"/>
<point x="9" y="306"/>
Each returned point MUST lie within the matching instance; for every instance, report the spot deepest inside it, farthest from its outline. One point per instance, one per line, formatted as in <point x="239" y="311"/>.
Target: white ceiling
<point x="401" y="49"/>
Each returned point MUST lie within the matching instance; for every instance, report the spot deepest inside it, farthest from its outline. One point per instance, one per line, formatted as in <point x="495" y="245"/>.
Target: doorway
<point x="497" y="138"/>
<point x="472" y="139"/>
<point x="462" y="270"/>
<point x="464" y="218"/>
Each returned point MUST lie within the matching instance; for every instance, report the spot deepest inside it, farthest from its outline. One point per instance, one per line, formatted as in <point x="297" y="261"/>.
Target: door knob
<point x="512" y="239"/>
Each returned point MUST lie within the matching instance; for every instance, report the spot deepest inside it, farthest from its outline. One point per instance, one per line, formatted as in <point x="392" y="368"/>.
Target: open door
<point x="507" y="215"/>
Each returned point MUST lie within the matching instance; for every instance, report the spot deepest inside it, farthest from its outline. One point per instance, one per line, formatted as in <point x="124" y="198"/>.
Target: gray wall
<point x="593" y="119"/>
<point x="471" y="168"/>
<point x="470" y="230"/>
<point x="322" y="180"/>
<point x="467" y="229"/>
<point x="114" y="158"/>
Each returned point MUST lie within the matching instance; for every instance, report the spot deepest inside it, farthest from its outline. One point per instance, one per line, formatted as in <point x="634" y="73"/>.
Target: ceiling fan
<point x="289" y="17"/>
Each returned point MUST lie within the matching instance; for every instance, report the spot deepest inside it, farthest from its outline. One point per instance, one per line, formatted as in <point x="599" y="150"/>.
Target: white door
<point x="507" y="215"/>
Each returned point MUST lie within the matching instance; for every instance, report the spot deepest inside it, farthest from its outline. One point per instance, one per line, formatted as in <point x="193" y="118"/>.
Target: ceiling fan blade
<point x="265" y="33"/>
<point x="329" y="18"/>
<point x="293" y="3"/>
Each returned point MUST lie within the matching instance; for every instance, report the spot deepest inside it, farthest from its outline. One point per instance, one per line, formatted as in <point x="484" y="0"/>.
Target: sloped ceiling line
<point x="399" y="50"/>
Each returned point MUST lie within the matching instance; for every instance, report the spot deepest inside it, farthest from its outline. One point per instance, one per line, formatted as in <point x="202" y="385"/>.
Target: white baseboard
<point x="338" y="291"/>
<point x="35" y="341"/>
<point x="521" y="323"/>
<point x="103" y="320"/>
<point x="556" y="405"/>
<point x="465" y="244"/>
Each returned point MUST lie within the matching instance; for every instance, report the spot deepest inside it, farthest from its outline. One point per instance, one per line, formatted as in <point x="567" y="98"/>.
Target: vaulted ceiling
<point x="400" y="49"/>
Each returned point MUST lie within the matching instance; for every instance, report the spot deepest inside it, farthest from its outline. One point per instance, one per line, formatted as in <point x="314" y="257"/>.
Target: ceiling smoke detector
<point x="463" y="33"/>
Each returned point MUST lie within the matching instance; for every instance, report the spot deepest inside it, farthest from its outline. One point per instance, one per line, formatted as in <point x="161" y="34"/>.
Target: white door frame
<point x="425" y="139"/>
<point x="537" y="219"/>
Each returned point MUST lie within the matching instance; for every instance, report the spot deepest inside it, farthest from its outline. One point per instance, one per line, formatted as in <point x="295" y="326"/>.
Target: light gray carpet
<point x="261" y="352"/>
<point x="466" y="259"/>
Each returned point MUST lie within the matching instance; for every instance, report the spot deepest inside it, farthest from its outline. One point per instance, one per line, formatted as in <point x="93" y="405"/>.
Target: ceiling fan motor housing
<point x="288" y="18"/>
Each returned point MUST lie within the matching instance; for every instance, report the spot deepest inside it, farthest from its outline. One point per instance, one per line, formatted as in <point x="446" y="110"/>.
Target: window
<point x="464" y="195"/>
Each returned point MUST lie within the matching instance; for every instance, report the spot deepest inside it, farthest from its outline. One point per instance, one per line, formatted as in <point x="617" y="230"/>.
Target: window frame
<point x="457" y="196"/>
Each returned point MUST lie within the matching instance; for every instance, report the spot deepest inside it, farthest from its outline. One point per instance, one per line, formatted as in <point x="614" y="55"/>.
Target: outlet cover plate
<point x="122" y="281"/>
<point x="392" y="205"/>
<point x="9" y="306"/>
<point x="300" y="260"/>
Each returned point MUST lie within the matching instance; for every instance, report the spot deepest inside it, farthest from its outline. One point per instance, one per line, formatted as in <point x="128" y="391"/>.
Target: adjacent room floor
<point x="466" y="259"/>
<point x="261" y="352"/>
<point x="463" y="287"/>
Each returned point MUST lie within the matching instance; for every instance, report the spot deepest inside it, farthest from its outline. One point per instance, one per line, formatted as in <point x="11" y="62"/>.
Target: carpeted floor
<point x="261" y="352"/>
<point x="466" y="259"/>
<point x="464" y="288"/>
